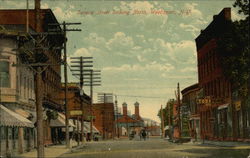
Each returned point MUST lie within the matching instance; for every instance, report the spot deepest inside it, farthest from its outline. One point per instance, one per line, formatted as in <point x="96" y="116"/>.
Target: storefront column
<point x="20" y="140"/>
<point x="8" y="153"/>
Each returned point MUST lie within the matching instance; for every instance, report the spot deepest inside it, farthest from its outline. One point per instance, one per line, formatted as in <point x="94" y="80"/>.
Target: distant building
<point x="104" y="119"/>
<point x="74" y="98"/>
<point x="126" y="123"/>
<point x="152" y="127"/>
<point x="190" y="107"/>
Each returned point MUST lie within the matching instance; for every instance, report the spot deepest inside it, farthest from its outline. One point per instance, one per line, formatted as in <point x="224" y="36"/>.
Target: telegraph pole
<point x="162" y="123"/>
<point x="39" y="109"/>
<point x="179" y="108"/>
<point x="65" y="29"/>
<point x="116" y="117"/>
<point x="93" y="74"/>
<point x="80" y="64"/>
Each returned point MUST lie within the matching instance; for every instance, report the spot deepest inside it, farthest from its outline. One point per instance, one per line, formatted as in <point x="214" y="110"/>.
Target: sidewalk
<point x="225" y="143"/>
<point x="220" y="143"/>
<point x="51" y="151"/>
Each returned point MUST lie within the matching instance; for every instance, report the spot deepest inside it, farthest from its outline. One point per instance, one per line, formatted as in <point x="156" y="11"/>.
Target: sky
<point x="143" y="48"/>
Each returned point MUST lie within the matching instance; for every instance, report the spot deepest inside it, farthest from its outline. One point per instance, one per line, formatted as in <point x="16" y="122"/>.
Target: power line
<point x="138" y="96"/>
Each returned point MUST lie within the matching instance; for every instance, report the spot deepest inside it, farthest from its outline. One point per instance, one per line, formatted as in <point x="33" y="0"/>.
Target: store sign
<point x="237" y="105"/>
<point x="206" y="101"/>
<point x="75" y="112"/>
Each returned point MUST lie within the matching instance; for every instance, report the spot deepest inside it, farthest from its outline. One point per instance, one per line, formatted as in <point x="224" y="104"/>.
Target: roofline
<point x="189" y="88"/>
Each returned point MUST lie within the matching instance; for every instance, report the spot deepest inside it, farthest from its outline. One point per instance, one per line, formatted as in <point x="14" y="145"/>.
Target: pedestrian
<point x="140" y="134"/>
<point x="144" y="134"/>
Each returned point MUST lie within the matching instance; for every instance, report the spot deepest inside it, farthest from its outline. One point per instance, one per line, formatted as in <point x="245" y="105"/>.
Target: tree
<point x="167" y="112"/>
<point x="234" y="48"/>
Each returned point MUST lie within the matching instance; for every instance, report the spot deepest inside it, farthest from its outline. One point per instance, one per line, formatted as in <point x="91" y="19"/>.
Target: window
<point x="4" y="74"/>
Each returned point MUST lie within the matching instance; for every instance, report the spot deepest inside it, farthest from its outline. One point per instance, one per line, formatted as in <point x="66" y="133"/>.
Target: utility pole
<point x="116" y="117"/>
<point x="80" y="64"/>
<point x="65" y="29"/>
<point x="179" y="108"/>
<point x="162" y="123"/>
<point x="39" y="111"/>
<point x="66" y="79"/>
<point x="94" y="75"/>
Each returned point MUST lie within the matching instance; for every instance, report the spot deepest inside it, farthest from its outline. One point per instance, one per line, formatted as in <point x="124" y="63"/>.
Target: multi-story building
<point x="78" y="107"/>
<point x="16" y="94"/>
<point x="16" y="22"/>
<point x="104" y="119"/>
<point x="189" y="101"/>
<point x="221" y="117"/>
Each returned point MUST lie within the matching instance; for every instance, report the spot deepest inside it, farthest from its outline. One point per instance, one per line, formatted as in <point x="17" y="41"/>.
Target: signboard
<point x="237" y="105"/>
<point x="75" y="112"/>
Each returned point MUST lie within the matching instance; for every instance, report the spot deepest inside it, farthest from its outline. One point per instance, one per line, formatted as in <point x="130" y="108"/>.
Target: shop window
<point x="2" y="132"/>
<point x="4" y="74"/>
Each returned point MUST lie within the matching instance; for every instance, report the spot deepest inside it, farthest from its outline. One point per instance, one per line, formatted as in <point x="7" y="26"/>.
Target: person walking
<point x="144" y="134"/>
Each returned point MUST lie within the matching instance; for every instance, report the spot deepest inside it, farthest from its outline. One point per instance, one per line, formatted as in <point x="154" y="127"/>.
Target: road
<point x="156" y="148"/>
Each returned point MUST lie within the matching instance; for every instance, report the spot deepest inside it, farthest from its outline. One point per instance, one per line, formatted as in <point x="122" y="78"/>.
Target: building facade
<point x="128" y="124"/>
<point x="104" y="119"/>
<point x="189" y="100"/>
<point x="15" y="22"/>
<point x="221" y="118"/>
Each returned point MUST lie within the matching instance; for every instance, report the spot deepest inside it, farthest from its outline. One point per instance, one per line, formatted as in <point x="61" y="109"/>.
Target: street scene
<point x="116" y="79"/>
<point x="155" y="147"/>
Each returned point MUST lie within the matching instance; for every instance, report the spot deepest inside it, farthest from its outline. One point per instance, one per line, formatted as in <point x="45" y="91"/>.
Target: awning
<point x="194" y="118"/>
<point x="60" y="121"/>
<point x="27" y="114"/>
<point x="87" y="128"/>
<point x="223" y="106"/>
<point x="167" y="127"/>
<point x="10" y="118"/>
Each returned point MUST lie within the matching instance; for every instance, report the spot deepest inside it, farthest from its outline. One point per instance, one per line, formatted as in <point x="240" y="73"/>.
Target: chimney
<point x="124" y="108"/>
<point x="37" y="14"/>
<point x="227" y="13"/>
<point x="137" y="112"/>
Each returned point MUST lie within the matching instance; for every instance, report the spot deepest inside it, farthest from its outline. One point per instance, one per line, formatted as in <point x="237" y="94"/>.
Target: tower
<point x="124" y="108"/>
<point x="137" y="112"/>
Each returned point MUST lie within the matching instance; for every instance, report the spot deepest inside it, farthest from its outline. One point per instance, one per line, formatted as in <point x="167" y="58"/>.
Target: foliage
<point x="167" y="112"/>
<point x="234" y="49"/>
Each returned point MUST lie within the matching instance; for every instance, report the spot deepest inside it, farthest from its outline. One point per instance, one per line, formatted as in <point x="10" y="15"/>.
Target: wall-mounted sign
<point x="75" y="112"/>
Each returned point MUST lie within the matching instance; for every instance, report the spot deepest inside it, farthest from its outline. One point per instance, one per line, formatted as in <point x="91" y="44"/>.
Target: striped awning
<point x="60" y="121"/>
<point x="10" y="118"/>
<point x="87" y="128"/>
<point x="223" y="106"/>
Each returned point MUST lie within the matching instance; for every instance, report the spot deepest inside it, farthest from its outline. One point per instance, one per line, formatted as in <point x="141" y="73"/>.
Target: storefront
<point x="16" y="133"/>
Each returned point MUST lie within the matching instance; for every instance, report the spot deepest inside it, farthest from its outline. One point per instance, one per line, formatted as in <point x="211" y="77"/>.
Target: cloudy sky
<point x="143" y="48"/>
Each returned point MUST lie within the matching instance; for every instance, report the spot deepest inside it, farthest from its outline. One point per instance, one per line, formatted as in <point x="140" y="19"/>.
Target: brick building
<point x="189" y="100"/>
<point x="104" y="119"/>
<point x="14" y="21"/>
<point x="221" y="118"/>
<point x="127" y="124"/>
<point x="75" y="96"/>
